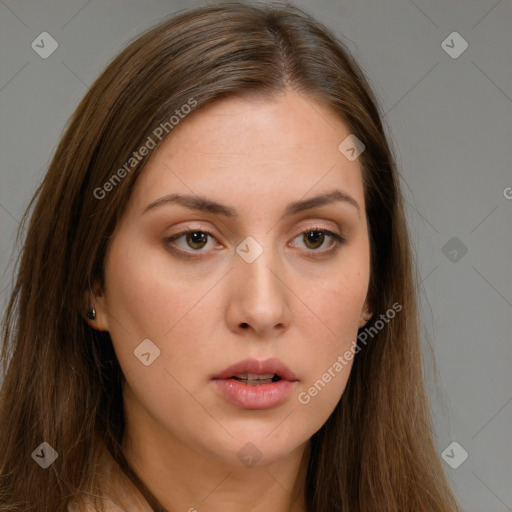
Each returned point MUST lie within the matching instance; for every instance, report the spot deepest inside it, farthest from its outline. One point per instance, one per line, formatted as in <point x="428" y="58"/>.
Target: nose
<point x="259" y="296"/>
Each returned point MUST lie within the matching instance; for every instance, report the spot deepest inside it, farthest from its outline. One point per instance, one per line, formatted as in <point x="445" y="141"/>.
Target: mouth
<point x="255" y="379"/>
<point x="254" y="371"/>
<point x="253" y="384"/>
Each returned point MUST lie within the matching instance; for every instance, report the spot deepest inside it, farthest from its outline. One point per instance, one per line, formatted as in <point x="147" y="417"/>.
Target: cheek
<point x="146" y="293"/>
<point x="334" y="308"/>
<point x="148" y="299"/>
<point x="330" y="335"/>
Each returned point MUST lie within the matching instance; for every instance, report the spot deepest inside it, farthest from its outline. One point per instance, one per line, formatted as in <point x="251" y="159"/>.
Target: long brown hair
<point x="63" y="384"/>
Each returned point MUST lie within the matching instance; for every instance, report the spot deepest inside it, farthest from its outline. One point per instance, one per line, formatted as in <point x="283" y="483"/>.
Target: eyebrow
<point x="201" y="203"/>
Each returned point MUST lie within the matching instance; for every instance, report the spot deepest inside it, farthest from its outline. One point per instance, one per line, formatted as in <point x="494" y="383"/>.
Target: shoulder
<point x="86" y="505"/>
<point x="118" y="492"/>
<point x="80" y="506"/>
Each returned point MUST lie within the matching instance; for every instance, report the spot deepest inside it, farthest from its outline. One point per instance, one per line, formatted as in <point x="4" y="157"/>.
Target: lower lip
<point x="245" y="396"/>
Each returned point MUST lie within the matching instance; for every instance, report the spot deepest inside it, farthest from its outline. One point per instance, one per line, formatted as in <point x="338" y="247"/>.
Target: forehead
<point x="254" y="148"/>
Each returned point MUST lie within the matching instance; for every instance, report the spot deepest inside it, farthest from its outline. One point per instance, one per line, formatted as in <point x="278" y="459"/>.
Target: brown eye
<point x="196" y="239"/>
<point x="189" y="242"/>
<point x="315" y="239"/>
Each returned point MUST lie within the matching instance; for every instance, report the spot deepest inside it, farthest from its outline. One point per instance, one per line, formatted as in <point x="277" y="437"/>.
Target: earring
<point x="91" y="314"/>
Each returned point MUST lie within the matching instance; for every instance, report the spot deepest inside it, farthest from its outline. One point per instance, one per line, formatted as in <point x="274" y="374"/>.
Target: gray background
<point x="450" y="123"/>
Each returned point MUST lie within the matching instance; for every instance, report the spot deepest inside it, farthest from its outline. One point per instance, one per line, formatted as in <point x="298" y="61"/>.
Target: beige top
<point x="124" y="496"/>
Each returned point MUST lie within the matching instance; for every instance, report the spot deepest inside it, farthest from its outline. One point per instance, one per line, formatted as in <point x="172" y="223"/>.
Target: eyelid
<point x="185" y="230"/>
<point x="338" y="240"/>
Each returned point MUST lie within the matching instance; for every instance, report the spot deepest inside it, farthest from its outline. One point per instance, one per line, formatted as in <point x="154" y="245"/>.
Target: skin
<point x="254" y="155"/>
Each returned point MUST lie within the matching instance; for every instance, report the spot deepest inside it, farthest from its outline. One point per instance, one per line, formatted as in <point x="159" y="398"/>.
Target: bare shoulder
<point x="86" y="505"/>
<point x="80" y="506"/>
<point x="116" y="494"/>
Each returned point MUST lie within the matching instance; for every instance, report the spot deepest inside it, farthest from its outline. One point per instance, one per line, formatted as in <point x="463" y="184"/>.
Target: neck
<point x="175" y="477"/>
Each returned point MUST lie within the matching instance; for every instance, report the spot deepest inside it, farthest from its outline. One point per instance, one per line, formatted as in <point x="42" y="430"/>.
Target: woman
<point x="215" y="304"/>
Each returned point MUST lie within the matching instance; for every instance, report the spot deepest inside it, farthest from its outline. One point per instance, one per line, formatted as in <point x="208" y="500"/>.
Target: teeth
<point x="254" y="376"/>
<point x="255" y="379"/>
<point x="258" y="382"/>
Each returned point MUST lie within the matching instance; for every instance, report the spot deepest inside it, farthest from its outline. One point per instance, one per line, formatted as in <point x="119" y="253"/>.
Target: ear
<point x="366" y="314"/>
<point x="95" y="313"/>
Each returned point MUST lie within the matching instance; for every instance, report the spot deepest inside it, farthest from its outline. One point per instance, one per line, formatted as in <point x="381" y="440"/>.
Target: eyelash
<point x="338" y="241"/>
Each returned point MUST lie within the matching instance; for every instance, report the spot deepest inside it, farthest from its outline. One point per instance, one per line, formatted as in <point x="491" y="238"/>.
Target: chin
<point x="253" y="445"/>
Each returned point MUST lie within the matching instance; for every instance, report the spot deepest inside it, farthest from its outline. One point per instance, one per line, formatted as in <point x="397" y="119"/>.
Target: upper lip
<point x="258" y="367"/>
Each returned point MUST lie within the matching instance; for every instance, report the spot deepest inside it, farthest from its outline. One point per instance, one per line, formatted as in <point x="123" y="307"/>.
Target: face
<point x="193" y="288"/>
